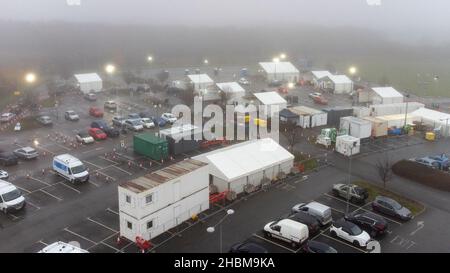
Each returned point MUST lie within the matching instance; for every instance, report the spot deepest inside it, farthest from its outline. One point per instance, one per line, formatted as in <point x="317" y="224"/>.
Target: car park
<point x="287" y="230"/>
<point x="45" y="120"/>
<point x="310" y="221"/>
<point x="247" y="247"/>
<point x="102" y="125"/>
<point x="97" y="134"/>
<point x="84" y="138"/>
<point x="321" y="212"/>
<point x="118" y="121"/>
<point x="8" y="159"/>
<point x="70" y="168"/>
<point x="96" y="112"/>
<point x="4" y="174"/>
<point x="26" y="153"/>
<point x="134" y="125"/>
<point x="391" y="207"/>
<point x="349" y="232"/>
<point x="317" y="247"/>
<point x="169" y="117"/>
<point x="353" y="193"/>
<point x="90" y="97"/>
<point x="71" y="115"/>
<point x="11" y="199"/>
<point x="6" y="117"/>
<point x="110" y="104"/>
<point x="147" y="123"/>
<point x="372" y="223"/>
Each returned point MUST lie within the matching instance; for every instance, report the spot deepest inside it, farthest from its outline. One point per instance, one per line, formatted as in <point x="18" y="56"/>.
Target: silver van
<point x="321" y="212"/>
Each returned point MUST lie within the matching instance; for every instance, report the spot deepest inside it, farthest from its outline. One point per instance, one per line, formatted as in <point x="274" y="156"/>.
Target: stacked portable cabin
<point x="335" y="114"/>
<point x="399" y="121"/>
<point x="309" y="117"/>
<point x="182" y="139"/>
<point x="150" y="146"/>
<point x="348" y="145"/>
<point x="356" y="127"/>
<point x="379" y="126"/>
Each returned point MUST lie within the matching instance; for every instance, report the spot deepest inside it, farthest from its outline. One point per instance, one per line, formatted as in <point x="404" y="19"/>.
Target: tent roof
<point x="321" y="74"/>
<point x="200" y="78"/>
<point x="232" y="87"/>
<point x="246" y="158"/>
<point x="269" y="98"/>
<point x="337" y="79"/>
<point x="90" y="77"/>
<point x="436" y="116"/>
<point x="279" y="68"/>
<point x="387" y="92"/>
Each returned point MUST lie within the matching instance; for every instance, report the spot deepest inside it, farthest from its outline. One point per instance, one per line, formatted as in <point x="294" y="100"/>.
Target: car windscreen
<point x="78" y="169"/>
<point x="12" y="195"/>
<point x="355" y="230"/>
<point x="135" y="122"/>
<point x="395" y="205"/>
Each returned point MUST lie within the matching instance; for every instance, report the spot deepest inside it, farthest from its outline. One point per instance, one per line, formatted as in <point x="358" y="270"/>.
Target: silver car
<point x="4" y="174"/>
<point x="26" y="153"/>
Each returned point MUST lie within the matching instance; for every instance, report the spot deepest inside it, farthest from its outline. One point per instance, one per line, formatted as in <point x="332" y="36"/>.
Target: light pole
<point x="212" y="229"/>
<point x="446" y="126"/>
<point x="110" y="69"/>
<point x="406" y="111"/>
<point x="275" y="61"/>
<point x="349" y="176"/>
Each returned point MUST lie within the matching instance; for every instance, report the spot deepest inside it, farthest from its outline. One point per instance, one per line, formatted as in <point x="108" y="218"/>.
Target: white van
<point x="71" y="168"/>
<point x="61" y="247"/>
<point x="287" y="230"/>
<point x="11" y="199"/>
<point x="321" y="212"/>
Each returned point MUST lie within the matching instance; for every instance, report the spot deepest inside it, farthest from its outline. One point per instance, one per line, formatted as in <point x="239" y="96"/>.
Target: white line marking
<point x="100" y="224"/>
<point x="104" y="158"/>
<point x="104" y="174"/>
<point x="81" y="236"/>
<point x="93" y="164"/>
<point x="262" y="238"/>
<point x="69" y="187"/>
<point x="46" y="150"/>
<point x="345" y="243"/>
<point x="38" y="180"/>
<point x="96" y="185"/>
<point x="110" y="210"/>
<point x="41" y="242"/>
<point x="120" y="169"/>
<point x="33" y="205"/>
<point x="22" y="189"/>
<point x="62" y="146"/>
<point x="59" y="199"/>
<point x="13" y="216"/>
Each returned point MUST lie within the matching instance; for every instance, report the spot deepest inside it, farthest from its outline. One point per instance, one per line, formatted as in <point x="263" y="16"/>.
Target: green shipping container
<point x="151" y="146"/>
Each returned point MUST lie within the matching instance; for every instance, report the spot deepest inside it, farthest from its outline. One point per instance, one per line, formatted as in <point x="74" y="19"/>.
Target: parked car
<point x="429" y="162"/>
<point x="45" y="120"/>
<point x="71" y="116"/>
<point x="4" y="174"/>
<point x="169" y="117"/>
<point x="160" y="122"/>
<point x="391" y="207"/>
<point x="134" y="116"/>
<point x="17" y="127"/>
<point x="8" y="159"/>
<point x="310" y="221"/>
<point x="354" y="193"/>
<point x="26" y="153"/>
<point x="11" y="199"/>
<point x="102" y="125"/>
<point x="315" y="95"/>
<point x="118" y="121"/>
<point x="134" y="125"/>
<point x="287" y="230"/>
<point x="147" y="123"/>
<point x="349" y="232"/>
<point x="84" y="138"/>
<point x="6" y="117"/>
<point x="90" y="97"/>
<point x="70" y="168"/>
<point x="97" y="134"/>
<point x="247" y="247"/>
<point x="372" y="223"/>
<point x="96" y="112"/>
<point x="275" y="83"/>
<point x="317" y="247"/>
<point x="243" y="81"/>
<point x="111" y="105"/>
<point x="319" y="211"/>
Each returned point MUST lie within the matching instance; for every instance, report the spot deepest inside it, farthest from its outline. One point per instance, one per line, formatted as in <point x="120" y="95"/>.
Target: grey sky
<point x="413" y="15"/>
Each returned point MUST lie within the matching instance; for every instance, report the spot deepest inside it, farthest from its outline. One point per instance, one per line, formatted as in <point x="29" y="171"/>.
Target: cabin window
<point x="129" y="225"/>
<point x="128" y="199"/>
<point x="150" y="224"/>
<point x="149" y="199"/>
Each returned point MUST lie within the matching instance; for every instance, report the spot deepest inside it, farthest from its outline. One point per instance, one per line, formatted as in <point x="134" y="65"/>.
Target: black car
<point x="372" y="223"/>
<point x="8" y="159"/>
<point x="102" y="125"/>
<point x="247" y="247"/>
<point x="308" y="220"/>
<point x="318" y="247"/>
<point x="391" y="207"/>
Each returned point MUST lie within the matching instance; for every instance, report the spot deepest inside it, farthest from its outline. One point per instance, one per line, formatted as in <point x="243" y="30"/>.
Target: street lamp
<point x="150" y="59"/>
<point x="275" y="61"/>
<point x="110" y="69"/>
<point x="349" y="176"/>
<point x="212" y="229"/>
<point x="206" y="61"/>
<point x="446" y="126"/>
<point x="283" y="56"/>
<point x="30" y="78"/>
<point x="352" y="70"/>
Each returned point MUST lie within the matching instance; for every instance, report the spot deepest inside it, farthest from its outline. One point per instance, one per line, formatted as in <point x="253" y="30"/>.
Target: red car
<point x="97" y="134"/>
<point x="96" y="112"/>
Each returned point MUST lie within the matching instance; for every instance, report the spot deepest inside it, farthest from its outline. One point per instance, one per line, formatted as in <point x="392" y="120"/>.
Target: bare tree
<point x="384" y="168"/>
<point x="292" y="133"/>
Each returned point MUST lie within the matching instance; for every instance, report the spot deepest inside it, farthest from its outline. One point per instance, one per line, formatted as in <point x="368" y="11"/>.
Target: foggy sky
<point x="423" y="16"/>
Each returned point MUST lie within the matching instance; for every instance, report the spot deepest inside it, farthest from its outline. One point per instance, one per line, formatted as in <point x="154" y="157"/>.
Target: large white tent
<point x="234" y="167"/>
<point x="234" y="91"/>
<point x="283" y="71"/>
<point x="90" y="82"/>
<point x="434" y="119"/>
<point x="385" y="95"/>
<point x="340" y="84"/>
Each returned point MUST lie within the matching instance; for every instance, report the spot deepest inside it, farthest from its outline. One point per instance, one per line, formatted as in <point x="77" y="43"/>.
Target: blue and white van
<point x="11" y="199"/>
<point x="71" y="168"/>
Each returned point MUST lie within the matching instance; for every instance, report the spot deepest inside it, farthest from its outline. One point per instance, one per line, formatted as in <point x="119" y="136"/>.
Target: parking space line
<point x="96" y="185"/>
<point x="22" y="189"/>
<point x="45" y="150"/>
<point x="62" y="146"/>
<point x="385" y="217"/>
<point x="38" y="180"/>
<point x="120" y="169"/>
<point x="41" y="242"/>
<point x="269" y="241"/>
<point x="110" y="210"/>
<point x="100" y="224"/>
<point x="90" y="163"/>
<point x="69" y="187"/>
<point x="343" y="201"/>
<point x="104" y="174"/>
<point x="13" y="216"/>
<point x="81" y="236"/>
<point x="345" y="243"/>
<point x="33" y="205"/>
<point x="59" y="199"/>
<point x="104" y="158"/>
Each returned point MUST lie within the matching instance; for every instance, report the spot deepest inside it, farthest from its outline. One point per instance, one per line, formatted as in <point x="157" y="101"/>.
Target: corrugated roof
<point x="268" y="98"/>
<point x="149" y="181"/>
<point x="200" y="78"/>
<point x="279" y="68"/>
<point x="246" y="158"/>
<point x="232" y="87"/>
<point x="321" y="74"/>
<point x="90" y="77"/>
<point x="387" y="92"/>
